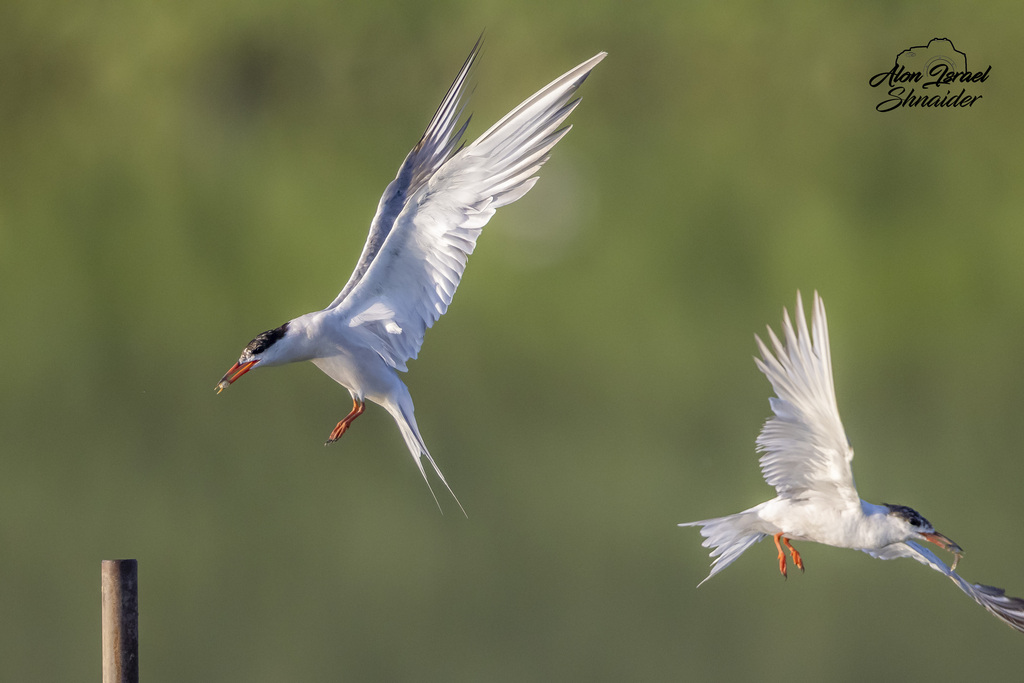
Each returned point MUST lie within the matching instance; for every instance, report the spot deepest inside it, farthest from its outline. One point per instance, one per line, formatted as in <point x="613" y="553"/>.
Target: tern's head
<point x="264" y="349"/>
<point x="919" y="528"/>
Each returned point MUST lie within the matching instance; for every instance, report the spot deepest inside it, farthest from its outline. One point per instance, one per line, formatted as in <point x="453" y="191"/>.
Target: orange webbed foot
<point x="797" y="560"/>
<point x="342" y="427"/>
<point x="792" y="551"/>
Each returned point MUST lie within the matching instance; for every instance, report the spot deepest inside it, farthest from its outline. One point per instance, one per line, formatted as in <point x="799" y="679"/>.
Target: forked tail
<point x="403" y="414"/>
<point x="728" y="537"/>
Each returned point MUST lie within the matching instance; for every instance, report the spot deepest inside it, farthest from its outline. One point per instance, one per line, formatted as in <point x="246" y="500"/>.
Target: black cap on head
<point x="910" y="514"/>
<point x="264" y="341"/>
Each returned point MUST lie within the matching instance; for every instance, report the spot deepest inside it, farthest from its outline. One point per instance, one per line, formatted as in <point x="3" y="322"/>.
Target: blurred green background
<point x="178" y="177"/>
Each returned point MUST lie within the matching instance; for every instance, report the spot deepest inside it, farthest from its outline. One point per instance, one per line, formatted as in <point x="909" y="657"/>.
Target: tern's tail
<point x="402" y="411"/>
<point x="728" y="536"/>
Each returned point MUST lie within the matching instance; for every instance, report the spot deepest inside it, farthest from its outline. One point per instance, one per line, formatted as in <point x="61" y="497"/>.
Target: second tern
<point x="806" y="457"/>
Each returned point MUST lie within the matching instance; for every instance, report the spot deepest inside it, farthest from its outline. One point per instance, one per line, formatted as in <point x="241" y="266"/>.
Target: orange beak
<point x="946" y="544"/>
<point x="236" y="371"/>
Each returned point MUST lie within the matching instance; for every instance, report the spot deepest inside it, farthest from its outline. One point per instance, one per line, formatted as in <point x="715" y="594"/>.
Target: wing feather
<point x="1006" y="608"/>
<point x="435" y="147"/>
<point x="415" y="272"/>
<point x="804" y="448"/>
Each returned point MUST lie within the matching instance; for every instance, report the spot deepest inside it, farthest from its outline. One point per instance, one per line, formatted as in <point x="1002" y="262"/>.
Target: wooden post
<point x="120" y="588"/>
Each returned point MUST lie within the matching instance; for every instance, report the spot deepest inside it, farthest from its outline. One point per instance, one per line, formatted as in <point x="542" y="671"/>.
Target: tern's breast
<point x="822" y="521"/>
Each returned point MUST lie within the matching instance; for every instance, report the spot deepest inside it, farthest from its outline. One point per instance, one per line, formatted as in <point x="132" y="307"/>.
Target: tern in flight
<point x="806" y="457"/>
<point x="425" y="228"/>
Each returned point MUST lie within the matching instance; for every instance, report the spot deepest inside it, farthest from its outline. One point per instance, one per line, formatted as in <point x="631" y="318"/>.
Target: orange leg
<point x="782" y="555"/>
<point x="796" y="556"/>
<point x="342" y="427"/>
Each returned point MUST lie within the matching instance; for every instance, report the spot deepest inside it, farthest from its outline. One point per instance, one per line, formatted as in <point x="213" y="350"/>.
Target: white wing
<point x="995" y="600"/>
<point x="805" y="450"/>
<point x="411" y="277"/>
<point x="430" y="152"/>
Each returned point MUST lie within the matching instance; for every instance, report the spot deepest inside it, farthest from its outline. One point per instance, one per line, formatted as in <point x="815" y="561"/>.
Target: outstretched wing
<point x="433" y="149"/>
<point x="995" y="600"/>
<point x="805" y="451"/>
<point x="410" y="282"/>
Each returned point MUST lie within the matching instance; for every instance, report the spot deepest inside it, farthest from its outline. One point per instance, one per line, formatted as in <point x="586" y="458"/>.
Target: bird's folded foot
<point x="792" y="551"/>
<point x="342" y="427"/>
<point x="336" y="433"/>
<point x="782" y="555"/>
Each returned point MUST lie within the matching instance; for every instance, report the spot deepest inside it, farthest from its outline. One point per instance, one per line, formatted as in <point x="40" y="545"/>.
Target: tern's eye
<point x="915" y="522"/>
